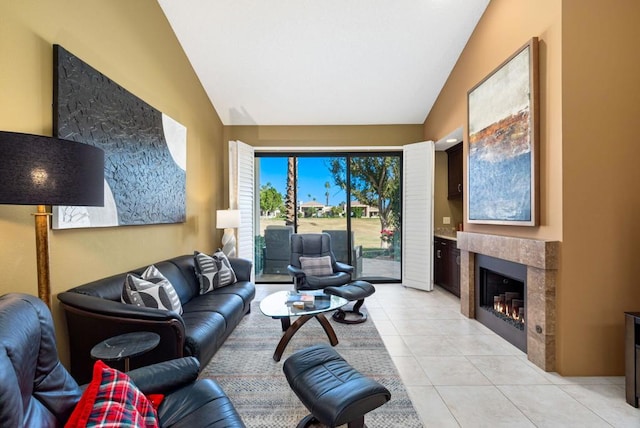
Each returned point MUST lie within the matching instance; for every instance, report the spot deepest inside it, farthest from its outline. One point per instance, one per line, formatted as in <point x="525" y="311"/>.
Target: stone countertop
<point x="452" y="236"/>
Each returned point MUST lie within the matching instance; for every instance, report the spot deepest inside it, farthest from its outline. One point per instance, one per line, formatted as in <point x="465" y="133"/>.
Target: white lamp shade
<point x="227" y="219"/>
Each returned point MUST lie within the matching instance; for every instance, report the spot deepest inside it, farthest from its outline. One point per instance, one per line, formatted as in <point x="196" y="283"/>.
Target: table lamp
<point x="228" y="220"/>
<point x="42" y="171"/>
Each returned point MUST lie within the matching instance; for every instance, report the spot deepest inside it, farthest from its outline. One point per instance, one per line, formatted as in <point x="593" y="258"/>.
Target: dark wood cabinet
<point x="454" y="165"/>
<point x="632" y="357"/>
<point x="446" y="265"/>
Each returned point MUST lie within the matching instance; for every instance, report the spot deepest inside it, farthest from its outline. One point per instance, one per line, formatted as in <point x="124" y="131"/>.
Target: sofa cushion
<point x="151" y="290"/>
<point x="203" y="332"/>
<point x="213" y="271"/>
<point x="230" y="306"/>
<point x="244" y="289"/>
<point x="182" y="276"/>
<point x="111" y="399"/>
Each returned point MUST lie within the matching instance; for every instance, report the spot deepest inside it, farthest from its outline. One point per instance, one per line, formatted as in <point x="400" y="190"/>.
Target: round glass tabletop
<point x="281" y="303"/>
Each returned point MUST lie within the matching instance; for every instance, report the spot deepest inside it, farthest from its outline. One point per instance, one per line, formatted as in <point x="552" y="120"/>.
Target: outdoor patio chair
<point x="277" y="250"/>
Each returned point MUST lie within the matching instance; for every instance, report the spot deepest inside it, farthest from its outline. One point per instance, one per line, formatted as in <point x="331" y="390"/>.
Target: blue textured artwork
<point x="501" y="178"/>
<point x="145" y="150"/>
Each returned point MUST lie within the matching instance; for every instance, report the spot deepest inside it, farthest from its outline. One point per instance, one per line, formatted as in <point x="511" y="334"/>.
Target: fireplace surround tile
<point x="541" y="259"/>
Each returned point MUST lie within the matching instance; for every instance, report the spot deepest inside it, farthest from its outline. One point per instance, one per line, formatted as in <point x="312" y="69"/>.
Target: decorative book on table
<point x="298" y="297"/>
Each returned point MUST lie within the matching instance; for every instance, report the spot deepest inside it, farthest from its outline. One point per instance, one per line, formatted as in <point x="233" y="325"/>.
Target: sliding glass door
<point x="356" y="198"/>
<point x="375" y="191"/>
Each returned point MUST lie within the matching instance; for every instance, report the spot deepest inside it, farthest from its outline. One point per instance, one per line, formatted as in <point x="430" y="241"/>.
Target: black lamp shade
<point x="37" y="170"/>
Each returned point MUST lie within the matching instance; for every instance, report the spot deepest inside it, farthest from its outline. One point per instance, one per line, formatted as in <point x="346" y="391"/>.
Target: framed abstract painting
<point x="145" y="150"/>
<point x="502" y="174"/>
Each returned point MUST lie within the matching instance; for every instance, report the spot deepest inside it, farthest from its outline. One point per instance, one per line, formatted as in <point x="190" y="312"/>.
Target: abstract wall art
<point x="503" y="142"/>
<point x="145" y="150"/>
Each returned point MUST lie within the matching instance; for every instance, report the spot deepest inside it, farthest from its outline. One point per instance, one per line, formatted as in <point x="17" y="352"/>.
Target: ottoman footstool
<point x="334" y="392"/>
<point x="356" y="290"/>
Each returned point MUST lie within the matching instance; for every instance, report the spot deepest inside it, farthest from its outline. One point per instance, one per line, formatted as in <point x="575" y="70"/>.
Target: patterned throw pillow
<point x="214" y="271"/>
<point x="316" y="266"/>
<point x="151" y="290"/>
<point x="112" y="400"/>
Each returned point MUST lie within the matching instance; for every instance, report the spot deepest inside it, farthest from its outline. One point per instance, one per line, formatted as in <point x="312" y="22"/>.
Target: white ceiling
<point x="323" y="62"/>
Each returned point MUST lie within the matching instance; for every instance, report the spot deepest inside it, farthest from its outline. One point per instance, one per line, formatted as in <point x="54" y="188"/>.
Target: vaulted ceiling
<point x="329" y="62"/>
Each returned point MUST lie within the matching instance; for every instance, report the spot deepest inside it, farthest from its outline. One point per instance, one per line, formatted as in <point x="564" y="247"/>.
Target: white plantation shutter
<point x="417" y="215"/>
<point x="241" y="195"/>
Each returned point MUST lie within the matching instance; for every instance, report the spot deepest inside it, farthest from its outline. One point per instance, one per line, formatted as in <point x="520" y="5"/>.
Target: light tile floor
<point x="461" y="374"/>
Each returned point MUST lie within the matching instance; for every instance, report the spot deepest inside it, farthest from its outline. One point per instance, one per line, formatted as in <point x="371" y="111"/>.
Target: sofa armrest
<point x="166" y="376"/>
<point x="107" y="307"/>
<point x="92" y="319"/>
<point x="242" y="268"/>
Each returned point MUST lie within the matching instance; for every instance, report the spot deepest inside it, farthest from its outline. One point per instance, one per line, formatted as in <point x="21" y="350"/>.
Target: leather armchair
<point x="315" y="245"/>
<point x="37" y="390"/>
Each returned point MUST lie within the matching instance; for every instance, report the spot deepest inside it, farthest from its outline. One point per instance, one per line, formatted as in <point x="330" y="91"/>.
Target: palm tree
<point x="290" y="200"/>
<point x="327" y="186"/>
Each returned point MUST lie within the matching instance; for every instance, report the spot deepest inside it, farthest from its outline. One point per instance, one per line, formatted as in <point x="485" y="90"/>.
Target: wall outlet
<point x="446" y="220"/>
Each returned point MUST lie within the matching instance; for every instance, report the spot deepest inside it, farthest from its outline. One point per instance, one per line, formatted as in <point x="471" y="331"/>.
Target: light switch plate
<point x="446" y="220"/>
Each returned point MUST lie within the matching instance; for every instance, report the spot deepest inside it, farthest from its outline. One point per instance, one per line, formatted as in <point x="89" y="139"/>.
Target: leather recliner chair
<point x="37" y="391"/>
<point x="315" y="245"/>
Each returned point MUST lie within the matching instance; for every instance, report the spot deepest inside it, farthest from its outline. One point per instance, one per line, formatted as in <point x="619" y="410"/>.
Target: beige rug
<point x="245" y="369"/>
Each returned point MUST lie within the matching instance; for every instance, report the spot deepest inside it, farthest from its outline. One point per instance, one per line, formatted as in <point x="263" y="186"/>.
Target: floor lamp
<point x="43" y="171"/>
<point x="228" y="220"/>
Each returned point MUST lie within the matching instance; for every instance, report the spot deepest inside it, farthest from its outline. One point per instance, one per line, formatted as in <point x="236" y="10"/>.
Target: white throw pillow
<point x="150" y="290"/>
<point x="316" y="266"/>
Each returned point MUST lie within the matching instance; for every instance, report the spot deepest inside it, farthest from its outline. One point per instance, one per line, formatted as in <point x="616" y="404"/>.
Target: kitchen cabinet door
<point x="454" y="171"/>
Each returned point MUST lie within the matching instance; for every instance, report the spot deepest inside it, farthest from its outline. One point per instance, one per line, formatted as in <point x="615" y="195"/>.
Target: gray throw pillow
<point x="150" y="290"/>
<point x="316" y="266"/>
<point x="214" y="271"/>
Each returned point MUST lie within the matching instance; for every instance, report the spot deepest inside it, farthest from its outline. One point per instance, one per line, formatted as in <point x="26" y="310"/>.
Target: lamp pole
<point x="42" y="254"/>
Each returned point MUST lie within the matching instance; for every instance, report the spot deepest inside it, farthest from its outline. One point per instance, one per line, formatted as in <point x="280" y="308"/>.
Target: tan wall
<point x="339" y="135"/>
<point x="505" y="26"/>
<point x="601" y="179"/>
<point x="442" y="206"/>
<point x="132" y="43"/>
<point x="323" y="136"/>
<point x="588" y="92"/>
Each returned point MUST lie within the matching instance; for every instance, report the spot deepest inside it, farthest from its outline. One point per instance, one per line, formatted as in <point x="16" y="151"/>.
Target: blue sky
<point x="313" y="173"/>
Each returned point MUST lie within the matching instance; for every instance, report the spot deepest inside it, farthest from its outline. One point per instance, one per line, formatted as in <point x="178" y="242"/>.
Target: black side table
<point x="125" y="346"/>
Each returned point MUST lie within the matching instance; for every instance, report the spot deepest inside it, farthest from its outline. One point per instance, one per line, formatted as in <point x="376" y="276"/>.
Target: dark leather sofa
<point x="94" y="312"/>
<point x="37" y="391"/>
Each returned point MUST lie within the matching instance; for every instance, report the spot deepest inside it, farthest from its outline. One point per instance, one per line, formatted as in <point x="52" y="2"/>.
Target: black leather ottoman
<point x="334" y="392"/>
<point x="356" y="290"/>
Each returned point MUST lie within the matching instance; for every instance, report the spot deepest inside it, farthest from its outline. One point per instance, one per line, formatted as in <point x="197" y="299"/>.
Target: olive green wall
<point x="589" y="96"/>
<point x="132" y="43"/>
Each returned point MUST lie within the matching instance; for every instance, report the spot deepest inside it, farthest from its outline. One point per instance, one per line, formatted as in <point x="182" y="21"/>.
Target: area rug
<point x="256" y="385"/>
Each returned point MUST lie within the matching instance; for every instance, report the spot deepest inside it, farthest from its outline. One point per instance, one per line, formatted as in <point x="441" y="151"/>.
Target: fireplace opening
<point x="501" y="298"/>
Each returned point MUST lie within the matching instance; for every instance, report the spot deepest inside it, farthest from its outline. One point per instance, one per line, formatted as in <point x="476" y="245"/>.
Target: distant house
<point x="312" y="209"/>
<point x="317" y="209"/>
<point x="368" y="211"/>
<point x="270" y="214"/>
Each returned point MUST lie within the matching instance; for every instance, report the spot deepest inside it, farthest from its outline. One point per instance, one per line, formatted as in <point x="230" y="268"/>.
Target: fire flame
<point x="505" y="309"/>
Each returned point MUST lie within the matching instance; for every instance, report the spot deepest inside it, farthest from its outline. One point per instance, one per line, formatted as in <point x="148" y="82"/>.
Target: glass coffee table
<point x="283" y="305"/>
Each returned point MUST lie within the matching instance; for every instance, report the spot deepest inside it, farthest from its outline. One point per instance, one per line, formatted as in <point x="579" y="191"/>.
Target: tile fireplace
<point x="520" y="269"/>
